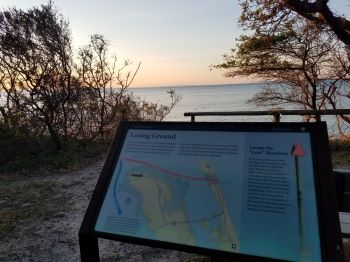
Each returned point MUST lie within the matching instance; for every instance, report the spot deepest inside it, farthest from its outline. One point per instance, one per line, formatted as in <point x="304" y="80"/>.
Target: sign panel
<point x="241" y="192"/>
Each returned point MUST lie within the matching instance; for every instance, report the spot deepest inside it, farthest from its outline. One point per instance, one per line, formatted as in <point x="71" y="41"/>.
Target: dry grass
<point x="340" y="151"/>
<point x="29" y="201"/>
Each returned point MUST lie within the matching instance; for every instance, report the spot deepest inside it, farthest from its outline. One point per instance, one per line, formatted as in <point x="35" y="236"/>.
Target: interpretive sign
<point x="245" y="190"/>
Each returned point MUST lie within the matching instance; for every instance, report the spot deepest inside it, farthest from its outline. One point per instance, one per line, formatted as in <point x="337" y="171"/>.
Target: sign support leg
<point x="88" y="248"/>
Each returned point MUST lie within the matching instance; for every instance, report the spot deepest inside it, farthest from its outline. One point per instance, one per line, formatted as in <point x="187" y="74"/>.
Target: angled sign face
<point x="227" y="189"/>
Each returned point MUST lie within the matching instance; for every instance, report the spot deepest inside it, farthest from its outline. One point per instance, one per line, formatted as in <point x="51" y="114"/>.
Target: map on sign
<point x="162" y="196"/>
<point x="228" y="191"/>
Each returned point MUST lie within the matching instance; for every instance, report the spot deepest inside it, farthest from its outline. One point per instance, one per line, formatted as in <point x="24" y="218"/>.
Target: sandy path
<point x="55" y="238"/>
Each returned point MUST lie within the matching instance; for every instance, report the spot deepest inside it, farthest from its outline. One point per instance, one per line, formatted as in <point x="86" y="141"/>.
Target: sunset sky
<point x="175" y="40"/>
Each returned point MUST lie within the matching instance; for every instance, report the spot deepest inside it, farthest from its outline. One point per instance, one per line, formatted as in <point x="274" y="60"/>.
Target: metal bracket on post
<point x="276" y="117"/>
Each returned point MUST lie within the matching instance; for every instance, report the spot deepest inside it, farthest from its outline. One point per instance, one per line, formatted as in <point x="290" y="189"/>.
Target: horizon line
<point x="198" y="85"/>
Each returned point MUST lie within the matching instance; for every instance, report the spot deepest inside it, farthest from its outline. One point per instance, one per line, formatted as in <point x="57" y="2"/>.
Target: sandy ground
<point x="55" y="238"/>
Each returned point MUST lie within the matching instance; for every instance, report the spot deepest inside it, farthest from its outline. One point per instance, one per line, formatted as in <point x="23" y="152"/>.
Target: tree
<point x="156" y="112"/>
<point x="276" y="11"/>
<point x="306" y="59"/>
<point x="36" y="66"/>
<point x="45" y="91"/>
<point x="103" y="86"/>
<point x="104" y="95"/>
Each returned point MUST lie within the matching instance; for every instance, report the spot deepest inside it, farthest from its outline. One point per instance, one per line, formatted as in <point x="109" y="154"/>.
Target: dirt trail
<point x="54" y="237"/>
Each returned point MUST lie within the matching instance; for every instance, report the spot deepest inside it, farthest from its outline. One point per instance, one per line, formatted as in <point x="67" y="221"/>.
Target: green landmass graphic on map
<point x="163" y="202"/>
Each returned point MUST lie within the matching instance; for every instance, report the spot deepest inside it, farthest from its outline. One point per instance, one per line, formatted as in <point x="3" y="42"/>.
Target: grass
<point x="23" y="154"/>
<point x="340" y="151"/>
<point x="23" y="157"/>
<point x="20" y="203"/>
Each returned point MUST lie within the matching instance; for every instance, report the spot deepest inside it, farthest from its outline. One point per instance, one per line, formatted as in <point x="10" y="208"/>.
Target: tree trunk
<point x="55" y="138"/>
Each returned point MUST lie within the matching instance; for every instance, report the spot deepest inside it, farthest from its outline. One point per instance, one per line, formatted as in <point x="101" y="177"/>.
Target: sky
<point x="176" y="41"/>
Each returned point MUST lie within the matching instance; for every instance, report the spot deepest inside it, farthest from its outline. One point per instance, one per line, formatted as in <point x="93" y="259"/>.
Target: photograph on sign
<point x="242" y="192"/>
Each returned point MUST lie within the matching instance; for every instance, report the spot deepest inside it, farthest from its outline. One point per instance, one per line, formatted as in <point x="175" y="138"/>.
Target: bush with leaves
<point x="46" y="91"/>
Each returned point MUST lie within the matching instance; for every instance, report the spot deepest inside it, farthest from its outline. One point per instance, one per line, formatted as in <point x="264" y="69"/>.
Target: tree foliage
<point x="259" y="13"/>
<point x="44" y="90"/>
<point x="36" y="67"/>
<point x="309" y="63"/>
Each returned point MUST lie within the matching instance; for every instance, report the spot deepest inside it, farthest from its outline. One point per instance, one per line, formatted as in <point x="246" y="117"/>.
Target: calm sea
<point x="202" y="98"/>
<point x="215" y="98"/>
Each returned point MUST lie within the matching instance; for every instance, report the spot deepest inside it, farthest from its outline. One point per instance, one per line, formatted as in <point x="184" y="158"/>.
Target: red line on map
<point x="211" y="180"/>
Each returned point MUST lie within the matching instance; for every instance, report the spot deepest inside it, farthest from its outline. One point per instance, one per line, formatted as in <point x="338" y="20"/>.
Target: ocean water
<point x="204" y="98"/>
<point x="218" y="98"/>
